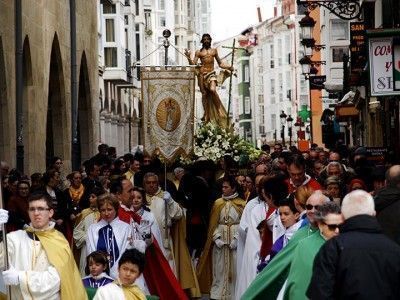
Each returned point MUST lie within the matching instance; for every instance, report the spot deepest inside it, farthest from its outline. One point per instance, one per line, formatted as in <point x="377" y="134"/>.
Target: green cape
<point x="269" y="282"/>
<point x="301" y="269"/>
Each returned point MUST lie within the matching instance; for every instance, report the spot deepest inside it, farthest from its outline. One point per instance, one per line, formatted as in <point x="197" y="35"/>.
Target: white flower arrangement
<point x="213" y="142"/>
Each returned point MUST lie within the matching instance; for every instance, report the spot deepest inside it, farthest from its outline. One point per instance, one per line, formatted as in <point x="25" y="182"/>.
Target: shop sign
<point x="381" y="66"/>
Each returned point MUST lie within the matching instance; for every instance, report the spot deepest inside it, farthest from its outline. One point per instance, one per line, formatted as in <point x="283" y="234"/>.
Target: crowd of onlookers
<point x="196" y="187"/>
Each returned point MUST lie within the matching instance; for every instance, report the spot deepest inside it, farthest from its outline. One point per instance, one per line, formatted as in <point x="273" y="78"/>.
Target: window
<point x="339" y="30"/>
<point x="273" y="122"/>
<point x="246" y="73"/>
<point x="109" y="8"/>
<point x="261" y="128"/>
<point x="147" y="19"/>
<point x="137" y="7"/>
<point x="162" y="21"/>
<point x="247" y="108"/>
<point x="272" y="64"/>
<point x="271" y="51"/>
<point x="272" y="86"/>
<point x="260" y="99"/>
<point x="338" y="52"/>
<point x="280" y="82"/>
<point x="110" y="32"/>
<point x="261" y="113"/>
<point x="161" y="4"/>
<point x="272" y="100"/>
<point x="110" y="54"/>
<point x="289" y="95"/>
<point x="288" y="79"/>
<point x="280" y="97"/>
<point x="126" y="20"/>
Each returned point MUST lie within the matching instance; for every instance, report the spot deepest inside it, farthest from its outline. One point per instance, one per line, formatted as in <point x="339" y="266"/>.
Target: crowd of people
<point x="292" y="225"/>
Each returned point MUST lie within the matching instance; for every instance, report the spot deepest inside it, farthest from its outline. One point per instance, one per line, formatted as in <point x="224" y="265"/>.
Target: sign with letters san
<point x="384" y="61"/>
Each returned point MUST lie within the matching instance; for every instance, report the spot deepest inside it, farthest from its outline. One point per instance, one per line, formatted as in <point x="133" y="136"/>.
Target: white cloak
<point x="80" y="234"/>
<point x="38" y="279"/>
<point x="123" y="236"/>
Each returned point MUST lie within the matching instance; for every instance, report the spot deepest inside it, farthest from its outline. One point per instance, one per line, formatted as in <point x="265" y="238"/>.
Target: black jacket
<point x="360" y="263"/>
<point x="387" y="205"/>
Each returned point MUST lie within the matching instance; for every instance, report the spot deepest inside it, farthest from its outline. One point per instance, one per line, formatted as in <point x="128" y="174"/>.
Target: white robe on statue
<point x="175" y="212"/>
<point x="40" y="280"/>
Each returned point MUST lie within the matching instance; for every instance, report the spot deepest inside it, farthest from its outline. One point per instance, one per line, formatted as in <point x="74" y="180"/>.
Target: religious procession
<point x="285" y="225"/>
<point x="139" y="162"/>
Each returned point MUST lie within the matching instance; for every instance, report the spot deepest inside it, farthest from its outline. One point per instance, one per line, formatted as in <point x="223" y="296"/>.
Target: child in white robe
<point x="130" y="267"/>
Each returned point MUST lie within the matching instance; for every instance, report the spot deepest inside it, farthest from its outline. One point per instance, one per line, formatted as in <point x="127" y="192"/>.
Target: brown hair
<point x="108" y="198"/>
<point x="41" y="196"/>
<point x="143" y="193"/>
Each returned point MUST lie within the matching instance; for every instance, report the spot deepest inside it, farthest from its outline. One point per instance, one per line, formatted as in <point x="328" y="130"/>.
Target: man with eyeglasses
<point x="328" y="218"/>
<point x="41" y="264"/>
<point x="361" y="262"/>
<point x="270" y="281"/>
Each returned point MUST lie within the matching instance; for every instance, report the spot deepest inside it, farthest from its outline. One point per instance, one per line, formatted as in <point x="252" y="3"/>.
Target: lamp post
<point x="166" y="34"/>
<point x="289" y="121"/>
<point x="283" y="116"/>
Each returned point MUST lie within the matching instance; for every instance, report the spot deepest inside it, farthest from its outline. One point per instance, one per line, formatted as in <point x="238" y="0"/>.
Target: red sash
<point x="266" y="243"/>
<point x="159" y="277"/>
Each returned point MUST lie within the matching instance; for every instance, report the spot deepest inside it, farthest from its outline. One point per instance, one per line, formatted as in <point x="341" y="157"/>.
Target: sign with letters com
<point x="382" y="65"/>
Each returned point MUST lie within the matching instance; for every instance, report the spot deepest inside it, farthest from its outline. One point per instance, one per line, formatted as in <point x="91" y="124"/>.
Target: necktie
<point x="108" y="243"/>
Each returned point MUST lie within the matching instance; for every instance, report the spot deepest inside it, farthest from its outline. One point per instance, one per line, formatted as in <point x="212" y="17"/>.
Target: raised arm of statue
<point x="188" y="55"/>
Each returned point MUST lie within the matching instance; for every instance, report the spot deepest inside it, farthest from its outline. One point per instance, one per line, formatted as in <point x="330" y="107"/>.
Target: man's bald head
<point x="393" y="176"/>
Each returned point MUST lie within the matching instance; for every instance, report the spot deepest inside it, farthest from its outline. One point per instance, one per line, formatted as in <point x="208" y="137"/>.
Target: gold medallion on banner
<point x="168" y="114"/>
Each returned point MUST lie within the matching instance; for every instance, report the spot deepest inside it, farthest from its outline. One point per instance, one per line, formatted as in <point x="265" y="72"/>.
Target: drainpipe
<point x="74" y="90"/>
<point x="19" y="85"/>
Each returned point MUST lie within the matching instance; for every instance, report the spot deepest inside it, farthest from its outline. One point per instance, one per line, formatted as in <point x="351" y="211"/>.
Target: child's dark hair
<point x="99" y="257"/>
<point x="289" y="201"/>
<point x="132" y="256"/>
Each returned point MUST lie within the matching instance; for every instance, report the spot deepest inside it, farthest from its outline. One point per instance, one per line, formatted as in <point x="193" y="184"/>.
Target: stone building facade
<point x="46" y="92"/>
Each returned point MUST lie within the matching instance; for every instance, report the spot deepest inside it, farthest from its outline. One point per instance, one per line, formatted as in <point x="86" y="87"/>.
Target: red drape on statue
<point x="159" y="277"/>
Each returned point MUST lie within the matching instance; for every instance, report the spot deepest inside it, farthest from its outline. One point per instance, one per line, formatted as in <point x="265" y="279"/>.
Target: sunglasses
<point x="333" y="227"/>
<point x="310" y="206"/>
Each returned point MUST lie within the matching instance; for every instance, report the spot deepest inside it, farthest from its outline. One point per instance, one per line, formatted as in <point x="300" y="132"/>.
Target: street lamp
<point x="344" y="9"/>
<point x="283" y="116"/>
<point x="307" y="24"/>
<point x="289" y="121"/>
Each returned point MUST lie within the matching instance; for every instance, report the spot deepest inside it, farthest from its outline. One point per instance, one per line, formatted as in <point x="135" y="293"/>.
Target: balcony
<point x="117" y="65"/>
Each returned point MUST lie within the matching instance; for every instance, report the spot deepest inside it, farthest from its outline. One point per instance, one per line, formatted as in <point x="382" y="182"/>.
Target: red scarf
<point x="266" y="243"/>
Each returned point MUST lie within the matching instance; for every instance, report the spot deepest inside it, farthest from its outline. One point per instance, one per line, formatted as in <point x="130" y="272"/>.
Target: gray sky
<point x="230" y="17"/>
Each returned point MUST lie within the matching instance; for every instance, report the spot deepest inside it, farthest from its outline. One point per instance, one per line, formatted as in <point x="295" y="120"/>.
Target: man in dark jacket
<point x="387" y="204"/>
<point x="360" y="263"/>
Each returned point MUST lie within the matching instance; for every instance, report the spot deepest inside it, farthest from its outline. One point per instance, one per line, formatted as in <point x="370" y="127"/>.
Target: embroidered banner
<point x="168" y="110"/>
